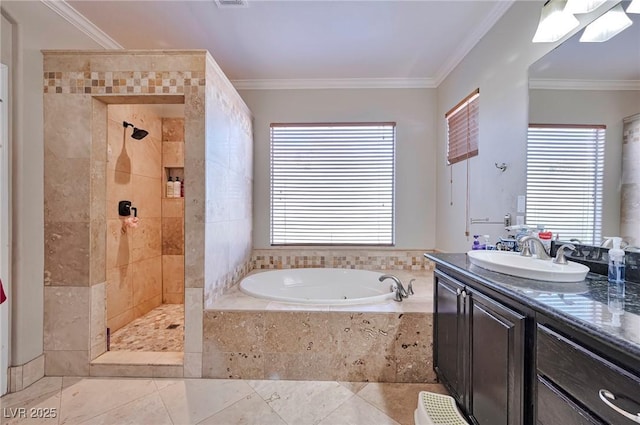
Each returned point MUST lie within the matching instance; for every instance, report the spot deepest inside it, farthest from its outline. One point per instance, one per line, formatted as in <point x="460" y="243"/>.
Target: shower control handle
<point x="125" y="208"/>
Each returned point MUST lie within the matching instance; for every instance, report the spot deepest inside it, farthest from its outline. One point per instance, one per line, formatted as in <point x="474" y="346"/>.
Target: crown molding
<point x="469" y="43"/>
<point x="551" y="84"/>
<point x="78" y="20"/>
<point x="335" y="83"/>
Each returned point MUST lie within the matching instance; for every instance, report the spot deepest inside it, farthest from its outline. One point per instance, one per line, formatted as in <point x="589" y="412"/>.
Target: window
<point x="462" y="129"/>
<point x="332" y="183"/>
<point x="564" y="180"/>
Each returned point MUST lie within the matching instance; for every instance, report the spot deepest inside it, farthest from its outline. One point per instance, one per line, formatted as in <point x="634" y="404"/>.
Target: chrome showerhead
<point x="138" y="133"/>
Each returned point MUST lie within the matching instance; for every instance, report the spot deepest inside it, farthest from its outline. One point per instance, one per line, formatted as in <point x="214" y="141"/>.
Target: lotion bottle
<point x="169" y="190"/>
<point x="616" y="262"/>
<point x="176" y="188"/>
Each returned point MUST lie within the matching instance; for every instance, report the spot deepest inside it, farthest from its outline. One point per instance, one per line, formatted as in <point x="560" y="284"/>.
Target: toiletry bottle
<point x="182" y="188"/>
<point x="176" y="188"/>
<point x="545" y="238"/>
<point x="169" y="193"/>
<point x="476" y="242"/>
<point x="616" y="262"/>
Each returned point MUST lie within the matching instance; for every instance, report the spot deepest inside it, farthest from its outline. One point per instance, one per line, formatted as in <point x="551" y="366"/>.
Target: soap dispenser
<point x="476" y="243"/>
<point x="616" y="262"/>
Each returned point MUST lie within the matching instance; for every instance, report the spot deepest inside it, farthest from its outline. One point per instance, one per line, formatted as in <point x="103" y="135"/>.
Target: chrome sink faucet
<point x="541" y="251"/>
<point x="400" y="291"/>
<point x="560" y="258"/>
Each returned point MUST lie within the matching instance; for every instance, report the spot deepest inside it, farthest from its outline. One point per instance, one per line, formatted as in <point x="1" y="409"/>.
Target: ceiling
<point x="405" y="43"/>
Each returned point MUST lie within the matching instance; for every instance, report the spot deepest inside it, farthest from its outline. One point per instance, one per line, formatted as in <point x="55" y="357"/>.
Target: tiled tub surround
<point x="78" y="86"/>
<point x="251" y="338"/>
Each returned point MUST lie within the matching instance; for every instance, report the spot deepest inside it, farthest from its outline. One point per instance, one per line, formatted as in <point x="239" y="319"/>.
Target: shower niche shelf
<point x="172" y="172"/>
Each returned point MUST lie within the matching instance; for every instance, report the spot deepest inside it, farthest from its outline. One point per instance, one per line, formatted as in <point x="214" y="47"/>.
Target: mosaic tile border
<point x="349" y="259"/>
<point x="227" y="281"/>
<point x="124" y="82"/>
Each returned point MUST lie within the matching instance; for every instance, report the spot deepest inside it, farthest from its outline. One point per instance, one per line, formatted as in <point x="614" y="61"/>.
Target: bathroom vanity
<point x="517" y="351"/>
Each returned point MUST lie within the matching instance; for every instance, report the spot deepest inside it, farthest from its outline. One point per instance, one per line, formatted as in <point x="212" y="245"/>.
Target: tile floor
<point x="161" y="329"/>
<point x="212" y="401"/>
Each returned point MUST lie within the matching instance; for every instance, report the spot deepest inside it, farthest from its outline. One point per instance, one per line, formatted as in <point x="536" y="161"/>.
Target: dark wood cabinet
<point x="479" y="352"/>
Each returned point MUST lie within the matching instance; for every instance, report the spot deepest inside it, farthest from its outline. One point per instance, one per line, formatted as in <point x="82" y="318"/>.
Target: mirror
<point x="595" y="83"/>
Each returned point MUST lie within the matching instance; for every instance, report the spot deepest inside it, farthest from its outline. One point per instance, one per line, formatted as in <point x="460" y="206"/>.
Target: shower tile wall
<point x="134" y="255"/>
<point x="173" y="214"/>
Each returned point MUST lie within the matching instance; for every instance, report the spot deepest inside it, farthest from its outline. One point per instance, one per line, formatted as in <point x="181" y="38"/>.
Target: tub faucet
<point x="400" y="291"/>
<point x="541" y="251"/>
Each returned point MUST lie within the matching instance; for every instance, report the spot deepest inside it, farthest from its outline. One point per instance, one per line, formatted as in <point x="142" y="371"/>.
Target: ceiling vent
<point x="231" y="3"/>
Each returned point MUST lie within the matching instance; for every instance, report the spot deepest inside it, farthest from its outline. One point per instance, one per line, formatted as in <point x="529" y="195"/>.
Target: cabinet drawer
<point x="554" y="408"/>
<point x="585" y="376"/>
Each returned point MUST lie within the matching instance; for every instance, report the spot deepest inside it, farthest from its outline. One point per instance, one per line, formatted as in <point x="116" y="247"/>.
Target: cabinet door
<point x="496" y="362"/>
<point x="447" y="335"/>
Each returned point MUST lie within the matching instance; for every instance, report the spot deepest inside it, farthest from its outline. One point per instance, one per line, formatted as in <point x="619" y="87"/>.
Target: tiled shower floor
<point x="162" y="329"/>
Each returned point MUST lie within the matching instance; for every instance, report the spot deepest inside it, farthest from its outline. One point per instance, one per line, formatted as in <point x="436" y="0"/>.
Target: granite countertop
<point x="609" y="312"/>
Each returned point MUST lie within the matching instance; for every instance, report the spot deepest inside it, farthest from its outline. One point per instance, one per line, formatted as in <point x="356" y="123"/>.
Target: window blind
<point x="462" y="129"/>
<point x="564" y="180"/>
<point x="332" y="183"/>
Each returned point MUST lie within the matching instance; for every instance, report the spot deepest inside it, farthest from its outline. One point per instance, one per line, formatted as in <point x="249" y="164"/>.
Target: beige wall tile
<point x="147" y="156"/>
<point x="173" y="129"/>
<point x="99" y="123"/>
<point x="67" y="126"/>
<point x="66" y="363"/>
<point x="119" y="290"/>
<point x="173" y="298"/>
<point x="119" y="188"/>
<point x="67" y="253"/>
<point x="173" y="274"/>
<point x="98" y="342"/>
<point x="116" y="322"/>
<point x="118" y="244"/>
<point x="32" y="371"/>
<point x="192" y="365"/>
<point x="119" y="147"/>
<point x="173" y="154"/>
<point x="173" y="207"/>
<point x="193" y="320"/>
<point x="147" y="279"/>
<point x="146" y="306"/>
<point x="172" y="236"/>
<point x="66" y="186"/>
<point x="302" y="366"/>
<point x="146" y="196"/>
<point x="300" y="332"/>
<point x="234" y="331"/>
<point x="66" y="318"/>
<point x="121" y="370"/>
<point x="98" y="251"/>
<point x="233" y="365"/>
<point x="146" y="239"/>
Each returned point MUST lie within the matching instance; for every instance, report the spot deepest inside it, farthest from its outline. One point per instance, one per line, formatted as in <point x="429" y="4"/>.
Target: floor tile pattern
<point x="155" y="331"/>
<point x="102" y="401"/>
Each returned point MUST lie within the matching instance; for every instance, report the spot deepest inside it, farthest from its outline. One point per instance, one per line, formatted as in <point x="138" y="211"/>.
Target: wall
<point x="172" y="213"/>
<point x="36" y="27"/>
<point x="413" y="110"/>
<point x="498" y="66"/>
<point x="228" y="162"/>
<point x="134" y="255"/>
<point x="606" y="107"/>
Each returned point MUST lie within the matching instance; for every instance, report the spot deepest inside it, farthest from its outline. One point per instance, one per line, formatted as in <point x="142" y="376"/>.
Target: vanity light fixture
<point x="607" y="26"/>
<point x="634" y="7"/>
<point x="583" y="6"/>
<point x="554" y="23"/>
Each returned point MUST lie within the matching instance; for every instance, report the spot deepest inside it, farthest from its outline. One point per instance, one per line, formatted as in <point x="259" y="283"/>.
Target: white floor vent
<point x="437" y="409"/>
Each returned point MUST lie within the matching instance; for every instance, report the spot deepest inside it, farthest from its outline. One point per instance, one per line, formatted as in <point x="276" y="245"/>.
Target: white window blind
<point x="332" y="183"/>
<point x="564" y="180"/>
<point x="462" y="129"/>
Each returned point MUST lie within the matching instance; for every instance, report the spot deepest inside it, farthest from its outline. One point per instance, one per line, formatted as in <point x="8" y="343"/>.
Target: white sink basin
<point x="512" y="263"/>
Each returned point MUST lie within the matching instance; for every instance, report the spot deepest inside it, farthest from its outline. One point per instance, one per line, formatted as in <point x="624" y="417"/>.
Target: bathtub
<point x="318" y="286"/>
